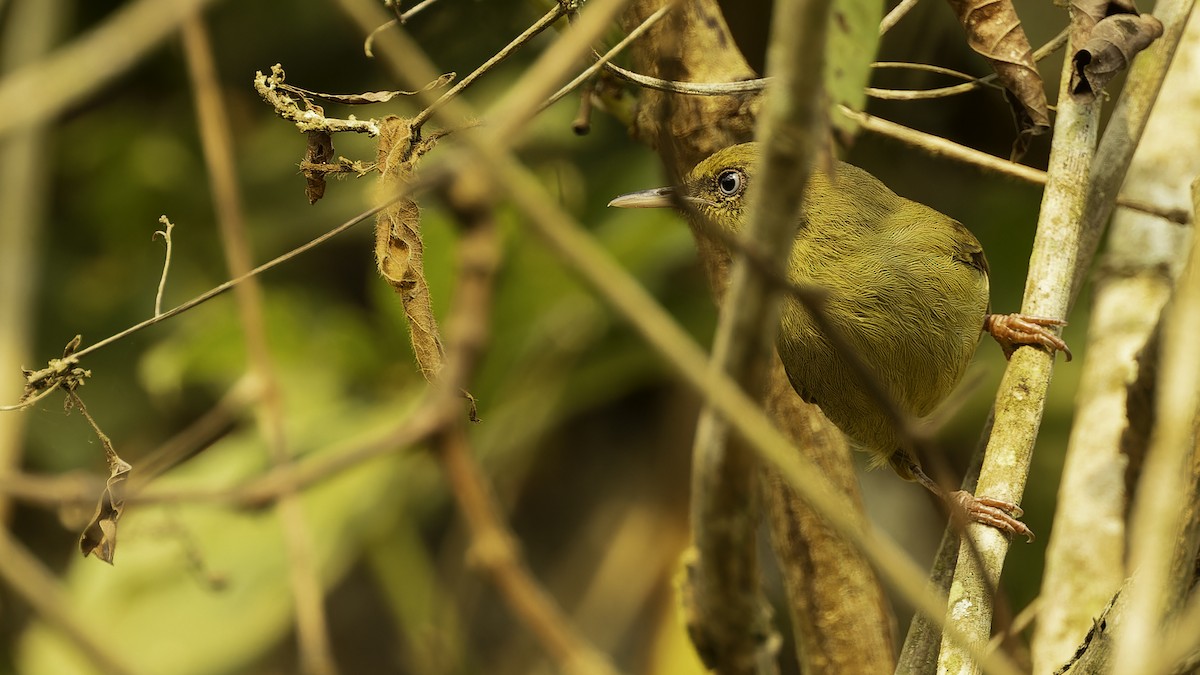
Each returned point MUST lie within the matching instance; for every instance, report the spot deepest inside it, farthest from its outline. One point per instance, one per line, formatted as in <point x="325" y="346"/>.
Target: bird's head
<point x="716" y="187"/>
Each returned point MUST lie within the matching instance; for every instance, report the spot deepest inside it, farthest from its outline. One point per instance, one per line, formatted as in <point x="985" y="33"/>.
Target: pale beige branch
<point x="1085" y="557"/>
<point x="40" y="91"/>
<point x="28" y="34"/>
<point x="1021" y="399"/>
<point x="316" y="653"/>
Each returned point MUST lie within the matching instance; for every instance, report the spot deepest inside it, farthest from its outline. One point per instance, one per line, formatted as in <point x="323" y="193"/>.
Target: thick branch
<point x="1022" y="395"/>
<point x="728" y="623"/>
<point x="1162" y="544"/>
<point x="1085" y="558"/>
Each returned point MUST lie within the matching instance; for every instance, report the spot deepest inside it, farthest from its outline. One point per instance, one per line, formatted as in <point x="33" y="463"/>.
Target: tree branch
<point x="727" y="622"/>
<point x="1085" y="557"/>
<point x="316" y="653"/>
<point x="1021" y="399"/>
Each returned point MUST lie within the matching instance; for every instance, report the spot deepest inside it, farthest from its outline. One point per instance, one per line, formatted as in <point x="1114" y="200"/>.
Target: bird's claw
<point x="1015" y="330"/>
<point x="999" y="514"/>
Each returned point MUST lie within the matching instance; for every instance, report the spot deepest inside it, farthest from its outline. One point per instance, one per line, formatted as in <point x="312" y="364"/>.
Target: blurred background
<point x="585" y="433"/>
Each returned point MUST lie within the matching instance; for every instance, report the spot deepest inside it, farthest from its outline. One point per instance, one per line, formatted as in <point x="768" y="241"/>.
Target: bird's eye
<point x="730" y="182"/>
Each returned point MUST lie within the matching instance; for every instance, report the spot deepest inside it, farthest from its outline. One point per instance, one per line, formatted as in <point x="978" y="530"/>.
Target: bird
<point x="904" y="287"/>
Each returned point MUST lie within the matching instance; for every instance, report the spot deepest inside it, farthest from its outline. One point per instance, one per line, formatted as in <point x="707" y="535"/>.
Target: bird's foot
<point x="1015" y="330"/>
<point x="999" y="514"/>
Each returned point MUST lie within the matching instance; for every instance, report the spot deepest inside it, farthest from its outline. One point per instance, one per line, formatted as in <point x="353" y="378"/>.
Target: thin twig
<point x="758" y="84"/>
<point x="316" y="654"/>
<point x="538" y="26"/>
<point x="608" y="56"/>
<point x="414" y="10"/>
<point x="727" y="621"/>
<point x="494" y="550"/>
<point x="401" y="19"/>
<point x="1055" y="43"/>
<point x="162" y="280"/>
<point x="941" y="147"/>
<point x="1021" y="399"/>
<point x="493" y="547"/>
<point x="234" y="282"/>
<point x="752" y="86"/>
<point x="893" y="17"/>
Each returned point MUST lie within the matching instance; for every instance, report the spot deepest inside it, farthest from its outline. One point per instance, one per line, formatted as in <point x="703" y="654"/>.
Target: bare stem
<point x="893" y="17"/>
<point x="494" y="549"/>
<point x="941" y="147"/>
<point x="162" y="280"/>
<point x="316" y="654"/>
<point x="1021" y="399"/>
<point x="1087" y="553"/>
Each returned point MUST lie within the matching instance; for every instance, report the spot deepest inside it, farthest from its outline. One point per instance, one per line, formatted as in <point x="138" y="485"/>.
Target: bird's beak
<point x="657" y="198"/>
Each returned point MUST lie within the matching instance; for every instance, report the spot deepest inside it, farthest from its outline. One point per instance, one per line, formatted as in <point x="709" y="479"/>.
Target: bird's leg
<point x="1014" y="330"/>
<point x="999" y="514"/>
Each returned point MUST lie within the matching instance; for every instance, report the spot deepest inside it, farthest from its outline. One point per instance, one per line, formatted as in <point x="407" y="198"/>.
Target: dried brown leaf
<point x="399" y="252"/>
<point x="1109" y="49"/>
<point x="99" y="538"/>
<point x="1086" y="14"/>
<point x="319" y="151"/>
<point x="994" y="31"/>
<point x="367" y="96"/>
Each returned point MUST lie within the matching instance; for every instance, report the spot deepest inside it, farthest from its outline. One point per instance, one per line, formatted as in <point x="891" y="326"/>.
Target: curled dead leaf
<point x="1109" y="49"/>
<point x="1085" y="14"/>
<point x="99" y="538"/>
<point x="399" y="252"/>
<point x="994" y="31"/>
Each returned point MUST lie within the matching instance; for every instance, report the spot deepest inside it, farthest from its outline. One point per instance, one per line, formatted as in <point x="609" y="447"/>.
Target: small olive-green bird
<point x="907" y="290"/>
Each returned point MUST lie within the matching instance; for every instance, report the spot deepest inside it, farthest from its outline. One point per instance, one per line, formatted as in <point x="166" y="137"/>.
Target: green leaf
<point x="851" y="43"/>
